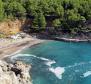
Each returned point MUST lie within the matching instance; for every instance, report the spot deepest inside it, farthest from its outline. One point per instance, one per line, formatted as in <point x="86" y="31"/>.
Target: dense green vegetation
<point x="72" y="13"/>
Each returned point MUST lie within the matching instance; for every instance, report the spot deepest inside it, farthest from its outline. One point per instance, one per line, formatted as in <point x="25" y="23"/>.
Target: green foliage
<point x="70" y="12"/>
<point x="15" y="8"/>
<point x="72" y="15"/>
<point x="1" y="10"/>
<point x="35" y="21"/>
<point x="56" y="23"/>
<point x="41" y="20"/>
<point x="31" y="7"/>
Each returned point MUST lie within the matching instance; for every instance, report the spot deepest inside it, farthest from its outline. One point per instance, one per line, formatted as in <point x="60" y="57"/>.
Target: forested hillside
<point x="72" y="14"/>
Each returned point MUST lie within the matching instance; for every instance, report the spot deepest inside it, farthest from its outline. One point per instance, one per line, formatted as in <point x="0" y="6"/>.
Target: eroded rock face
<point x="17" y="73"/>
<point x="11" y="27"/>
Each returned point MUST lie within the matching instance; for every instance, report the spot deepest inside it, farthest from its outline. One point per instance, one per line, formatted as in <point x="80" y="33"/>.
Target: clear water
<point x="55" y="62"/>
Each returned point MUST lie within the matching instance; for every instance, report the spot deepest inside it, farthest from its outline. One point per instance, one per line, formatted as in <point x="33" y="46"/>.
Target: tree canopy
<point x="70" y="12"/>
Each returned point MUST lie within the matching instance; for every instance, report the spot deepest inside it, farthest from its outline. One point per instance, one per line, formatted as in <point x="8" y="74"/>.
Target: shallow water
<point x="55" y="62"/>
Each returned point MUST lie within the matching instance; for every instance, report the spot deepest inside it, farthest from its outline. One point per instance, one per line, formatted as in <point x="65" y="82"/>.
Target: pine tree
<point x="41" y="20"/>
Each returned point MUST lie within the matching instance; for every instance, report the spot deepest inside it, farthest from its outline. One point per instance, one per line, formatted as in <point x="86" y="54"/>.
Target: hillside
<point x="68" y="16"/>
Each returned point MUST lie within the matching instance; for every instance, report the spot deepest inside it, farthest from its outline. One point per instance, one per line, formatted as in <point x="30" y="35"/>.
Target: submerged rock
<point x="17" y="73"/>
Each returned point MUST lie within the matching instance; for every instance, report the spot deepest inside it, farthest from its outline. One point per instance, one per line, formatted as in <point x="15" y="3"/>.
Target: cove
<point x="55" y="62"/>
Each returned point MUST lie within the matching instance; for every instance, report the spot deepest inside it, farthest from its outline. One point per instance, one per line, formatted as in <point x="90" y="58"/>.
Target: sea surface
<point x="55" y="62"/>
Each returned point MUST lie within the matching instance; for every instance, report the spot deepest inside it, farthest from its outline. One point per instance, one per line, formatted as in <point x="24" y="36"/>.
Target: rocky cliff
<point x="11" y="27"/>
<point x="17" y="73"/>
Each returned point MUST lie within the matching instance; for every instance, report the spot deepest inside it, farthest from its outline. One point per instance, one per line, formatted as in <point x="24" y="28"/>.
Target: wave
<point x="58" y="71"/>
<point x="86" y="74"/>
<point x="48" y="62"/>
<point x="78" y="64"/>
<point x="21" y="55"/>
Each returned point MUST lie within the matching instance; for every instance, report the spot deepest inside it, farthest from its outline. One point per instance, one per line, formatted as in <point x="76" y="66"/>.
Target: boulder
<point x="17" y="73"/>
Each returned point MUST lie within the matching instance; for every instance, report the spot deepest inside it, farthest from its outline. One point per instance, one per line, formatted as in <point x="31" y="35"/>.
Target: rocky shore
<point x="17" y="73"/>
<point x="72" y="39"/>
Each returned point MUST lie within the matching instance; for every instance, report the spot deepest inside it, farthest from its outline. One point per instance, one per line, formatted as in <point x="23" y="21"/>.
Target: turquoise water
<point x="55" y="62"/>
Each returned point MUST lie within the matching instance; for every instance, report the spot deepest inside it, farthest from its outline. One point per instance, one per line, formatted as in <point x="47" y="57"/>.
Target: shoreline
<point x="19" y="66"/>
<point x="71" y="39"/>
<point x="65" y="38"/>
<point x="17" y="47"/>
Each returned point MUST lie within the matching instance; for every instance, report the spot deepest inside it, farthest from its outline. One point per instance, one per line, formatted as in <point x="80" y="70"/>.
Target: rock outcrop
<point x="17" y="73"/>
<point x="11" y="27"/>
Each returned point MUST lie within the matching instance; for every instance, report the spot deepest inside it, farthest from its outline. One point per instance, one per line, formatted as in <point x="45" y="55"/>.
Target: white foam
<point x="49" y="63"/>
<point x="42" y="58"/>
<point x="21" y="55"/>
<point x="88" y="73"/>
<point x="77" y="64"/>
<point x="58" y="71"/>
<point x="18" y="55"/>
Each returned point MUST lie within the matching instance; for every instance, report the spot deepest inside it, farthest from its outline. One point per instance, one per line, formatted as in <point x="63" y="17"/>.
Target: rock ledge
<point x="17" y="73"/>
